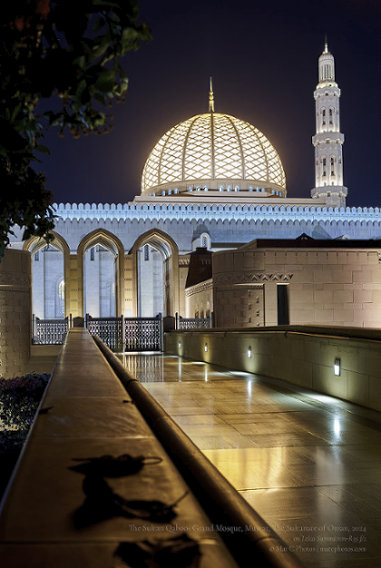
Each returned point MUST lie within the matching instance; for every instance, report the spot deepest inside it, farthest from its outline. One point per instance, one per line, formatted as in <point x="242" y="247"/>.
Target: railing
<point x="143" y="334"/>
<point x="50" y="331"/>
<point x="108" y="329"/>
<point x="128" y="334"/>
<point x="193" y="323"/>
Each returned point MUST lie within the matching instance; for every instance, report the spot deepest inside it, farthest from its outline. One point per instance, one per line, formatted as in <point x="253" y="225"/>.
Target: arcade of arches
<point x="104" y="280"/>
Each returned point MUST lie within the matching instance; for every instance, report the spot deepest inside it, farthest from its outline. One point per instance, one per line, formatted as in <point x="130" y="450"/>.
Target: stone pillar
<point x="74" y="288"/>
<point x="15" y="312"/>
<point x="128" y="284"/>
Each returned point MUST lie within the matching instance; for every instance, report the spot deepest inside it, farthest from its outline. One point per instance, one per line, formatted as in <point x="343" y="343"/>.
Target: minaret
<point x="328" y="140"/>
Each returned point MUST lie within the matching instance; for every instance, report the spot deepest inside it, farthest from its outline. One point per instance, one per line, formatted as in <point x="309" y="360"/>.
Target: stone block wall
<point x="299" y="355"/>
<point x="15" y="312"/>
<point x="324" y="287"/>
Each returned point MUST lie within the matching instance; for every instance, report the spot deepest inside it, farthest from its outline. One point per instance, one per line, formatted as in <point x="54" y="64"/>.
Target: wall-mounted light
<point x="337" y="367"/>
<point x="206" y="347"/>
<point x="249" y="352"/>
<point x="179" y="344"/>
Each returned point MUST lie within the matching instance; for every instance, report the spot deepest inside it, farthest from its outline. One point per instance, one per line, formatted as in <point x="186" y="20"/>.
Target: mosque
<point x="214" y="188"/>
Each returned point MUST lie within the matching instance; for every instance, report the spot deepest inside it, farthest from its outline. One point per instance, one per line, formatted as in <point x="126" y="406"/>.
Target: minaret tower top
<point x="326" y="68"/>
<point x="328" y="140"/>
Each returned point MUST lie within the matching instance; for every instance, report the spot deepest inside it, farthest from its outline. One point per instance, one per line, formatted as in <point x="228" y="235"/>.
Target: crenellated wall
<point x="236" y="221"/>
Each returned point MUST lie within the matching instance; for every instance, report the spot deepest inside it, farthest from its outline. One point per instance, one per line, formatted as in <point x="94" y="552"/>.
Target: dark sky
<point x="263" y="59"/>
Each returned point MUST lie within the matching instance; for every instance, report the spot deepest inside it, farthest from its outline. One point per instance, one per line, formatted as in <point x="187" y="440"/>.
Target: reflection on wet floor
<point x="309" y="464"/>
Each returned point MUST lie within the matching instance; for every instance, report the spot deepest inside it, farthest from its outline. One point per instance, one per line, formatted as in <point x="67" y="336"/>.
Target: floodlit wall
<point x="199" y="300"/>
<point x="15" y="312"/>
<point x="305" y="357"/>
<point x="324" y="286"/>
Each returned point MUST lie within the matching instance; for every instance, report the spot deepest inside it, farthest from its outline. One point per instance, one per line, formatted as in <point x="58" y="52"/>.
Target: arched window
<point x="204" y="241"/>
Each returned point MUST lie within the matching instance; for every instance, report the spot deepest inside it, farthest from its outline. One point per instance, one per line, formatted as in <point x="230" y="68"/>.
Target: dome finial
<point x="326" y="50"/>
<point x="211" y="95"/>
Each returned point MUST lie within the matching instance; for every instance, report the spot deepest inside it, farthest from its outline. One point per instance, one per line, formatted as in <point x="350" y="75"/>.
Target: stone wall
<point x="199" y="300"/>
<point x="325" y="286"/>
<point x="15" y="312"/>
<point x="302" y="356"/>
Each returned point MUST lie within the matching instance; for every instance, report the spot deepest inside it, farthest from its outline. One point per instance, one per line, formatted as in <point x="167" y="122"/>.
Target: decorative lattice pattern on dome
<point x="212" y="146"/>
<point x="151" y="169"/>
<point x="228" y="158"/>
<point x="262" y="161"/>
<point x="198" y="150"/>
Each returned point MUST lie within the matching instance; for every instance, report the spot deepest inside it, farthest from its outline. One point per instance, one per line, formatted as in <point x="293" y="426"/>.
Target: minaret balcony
<point x="327" y="137"/>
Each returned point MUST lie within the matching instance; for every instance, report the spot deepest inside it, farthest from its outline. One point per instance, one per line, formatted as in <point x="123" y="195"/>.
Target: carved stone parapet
<point x="249" y="277"/>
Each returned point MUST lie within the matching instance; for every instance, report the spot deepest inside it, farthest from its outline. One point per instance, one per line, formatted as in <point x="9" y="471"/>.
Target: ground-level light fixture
<point x="337" y="367"/>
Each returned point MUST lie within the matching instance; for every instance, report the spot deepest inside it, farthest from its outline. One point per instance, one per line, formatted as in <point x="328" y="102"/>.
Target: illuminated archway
<point x="155" y="274"/>
<point x="100" y="267"/>
<point x="50" y="272"/>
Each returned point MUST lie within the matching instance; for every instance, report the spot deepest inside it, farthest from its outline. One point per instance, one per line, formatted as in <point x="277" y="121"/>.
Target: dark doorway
<point x="283" y="311"/>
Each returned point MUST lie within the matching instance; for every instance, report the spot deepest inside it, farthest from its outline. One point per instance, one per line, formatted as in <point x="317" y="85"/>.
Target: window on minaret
<point x="331" y="116"/>
<point x="146" y="252"/>
<point x="323" y="114"/>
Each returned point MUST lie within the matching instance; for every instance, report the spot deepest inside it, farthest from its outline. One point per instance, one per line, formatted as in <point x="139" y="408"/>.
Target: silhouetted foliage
<point x="60" y="65"/>
<point x="19" y="399"/>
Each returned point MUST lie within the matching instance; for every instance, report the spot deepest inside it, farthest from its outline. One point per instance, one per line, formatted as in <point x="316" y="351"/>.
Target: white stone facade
<point x="132" y="259"/>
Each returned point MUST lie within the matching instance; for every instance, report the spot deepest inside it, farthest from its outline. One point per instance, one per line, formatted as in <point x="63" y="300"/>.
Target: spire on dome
<point x="211" y="95"/>
<point x="326" y="50"/>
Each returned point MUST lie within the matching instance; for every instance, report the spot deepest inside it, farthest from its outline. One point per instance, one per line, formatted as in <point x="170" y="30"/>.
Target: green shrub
<point x="19" y="399"/>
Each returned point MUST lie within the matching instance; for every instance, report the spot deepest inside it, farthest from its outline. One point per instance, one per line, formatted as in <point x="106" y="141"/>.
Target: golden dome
<point x="213" y="150"/>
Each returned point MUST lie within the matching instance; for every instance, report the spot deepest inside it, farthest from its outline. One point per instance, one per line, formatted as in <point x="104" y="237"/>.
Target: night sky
<point x="263" y="59"/>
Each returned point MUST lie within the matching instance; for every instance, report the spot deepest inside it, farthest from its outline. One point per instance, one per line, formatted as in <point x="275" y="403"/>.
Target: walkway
<point x="308" y="463"/>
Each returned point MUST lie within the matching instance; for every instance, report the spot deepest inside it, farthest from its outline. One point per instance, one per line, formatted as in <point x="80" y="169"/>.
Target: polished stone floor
<point x="309" y="464"/>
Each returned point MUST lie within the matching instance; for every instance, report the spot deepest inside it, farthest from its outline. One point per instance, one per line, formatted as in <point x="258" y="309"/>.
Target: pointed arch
<point x="34" y="244"/>
<point x="113" y="244"/>
<point x="168" y="248"/>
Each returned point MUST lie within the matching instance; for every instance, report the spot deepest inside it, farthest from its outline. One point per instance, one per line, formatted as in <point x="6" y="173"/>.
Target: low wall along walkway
<point x="95" y="487"/>
<point x="305" y="356"/>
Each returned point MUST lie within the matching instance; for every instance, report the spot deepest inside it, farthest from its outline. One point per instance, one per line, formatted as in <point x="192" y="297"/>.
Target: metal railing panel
<point x="194" y="323"/>
<point x="49" y="331"/>
<point x="128" y="334"/>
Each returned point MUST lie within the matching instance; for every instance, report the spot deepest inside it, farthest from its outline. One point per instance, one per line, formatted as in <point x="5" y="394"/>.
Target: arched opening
<point x="99" y="280"/>
<point x="49" y="269"/>
<point x="151" y="281"/>
<point x="156" y="274"/>
<point x="100" y="257"/>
